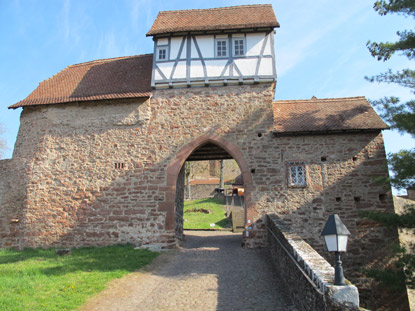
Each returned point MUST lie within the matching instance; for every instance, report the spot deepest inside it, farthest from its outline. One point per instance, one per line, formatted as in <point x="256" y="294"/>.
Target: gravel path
<point x="212" y="272"/>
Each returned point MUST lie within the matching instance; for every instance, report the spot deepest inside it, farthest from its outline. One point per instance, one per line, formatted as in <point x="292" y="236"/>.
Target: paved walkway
<point x="212" y="272"/>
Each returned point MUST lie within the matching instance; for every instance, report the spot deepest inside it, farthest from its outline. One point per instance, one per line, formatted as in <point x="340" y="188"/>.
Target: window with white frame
<point x="162" y="53"/>
<point x="238" y="47"/>
<point x="297" y="174"/>
<point x="221" y="47"/>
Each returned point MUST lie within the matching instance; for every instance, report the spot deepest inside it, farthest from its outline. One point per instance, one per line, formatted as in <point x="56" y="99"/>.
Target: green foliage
<point x="198" y="220"/>
<point x="40" y="280"/>
<point x="393" y="279"/>
<point x="406" y="43"/>
<point x="403" y="270"/>
<point x="399" y="115"/>
<point x="403" y="164"/>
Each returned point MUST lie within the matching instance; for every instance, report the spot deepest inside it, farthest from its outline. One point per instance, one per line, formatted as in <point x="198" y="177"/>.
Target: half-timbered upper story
<point x="223" y="46"/>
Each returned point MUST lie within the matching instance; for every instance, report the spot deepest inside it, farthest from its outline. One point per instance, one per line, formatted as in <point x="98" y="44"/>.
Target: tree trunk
<point x="188" y="187"/>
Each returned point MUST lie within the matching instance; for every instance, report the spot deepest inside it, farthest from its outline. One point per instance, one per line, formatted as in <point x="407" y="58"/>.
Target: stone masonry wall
<point x="105" y="172"/>
<point x="12" y="201"/>
<point x="202" y="191"/>
<point x="100" y="173"/>
<point x="340" y="179"/>
<point x="98" y="169"/>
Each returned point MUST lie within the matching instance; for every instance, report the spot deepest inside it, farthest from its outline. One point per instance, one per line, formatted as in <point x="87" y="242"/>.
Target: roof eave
<point x="213" y="30"/>
<point x="323" y="132"/>
<point x="20" y="104"/>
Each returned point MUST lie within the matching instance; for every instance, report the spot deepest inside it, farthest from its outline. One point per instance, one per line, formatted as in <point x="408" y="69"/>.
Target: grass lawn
<point x="40" y="280"/>
<point x="198" y="220"/>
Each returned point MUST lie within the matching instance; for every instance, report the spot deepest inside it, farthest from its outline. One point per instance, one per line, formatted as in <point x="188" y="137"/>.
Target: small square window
<point x="297" y="174"/>
<point x="238" y="47"/>
<point x="162" y="53"/>
<point x="221" y="48"/>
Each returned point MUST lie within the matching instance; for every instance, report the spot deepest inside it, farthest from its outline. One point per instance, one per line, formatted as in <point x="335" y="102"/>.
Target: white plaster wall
<point x="254" y="43"/>
<point x="266" y="67"/>
<point x="157" y="76"/>
<point x="193" y="50"/>
<point x="214" y="67"/>
<point x="206" y="46"/>
<point x="180" y="71"/>
<point x="196" y="69"/>
<point x="184" y="52"/>
<point x="166" y="68"/>
<point x="163" y="41"/>
<point x="175" y="47"/>
<point x="268" y="50"/>
<point x="246" y="66"/>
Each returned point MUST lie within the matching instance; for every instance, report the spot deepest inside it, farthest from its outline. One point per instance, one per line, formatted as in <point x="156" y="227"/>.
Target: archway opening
<point x="210" y="192"/>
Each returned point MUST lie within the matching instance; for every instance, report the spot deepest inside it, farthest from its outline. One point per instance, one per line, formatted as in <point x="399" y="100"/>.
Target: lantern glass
<point x="336" y="243"/>
<point x="331" y="242"/>
<point x="342" y="243"/>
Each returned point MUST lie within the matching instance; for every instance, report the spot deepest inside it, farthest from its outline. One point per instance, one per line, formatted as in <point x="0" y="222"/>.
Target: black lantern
<point x="335" y="235"/>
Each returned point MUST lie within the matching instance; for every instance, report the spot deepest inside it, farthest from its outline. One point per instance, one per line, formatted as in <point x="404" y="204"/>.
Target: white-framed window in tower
<point x="163" y="52"/>
<point x="297" y="174"/>
<point x="238" y="46"/>
<point x="221" y="47"/>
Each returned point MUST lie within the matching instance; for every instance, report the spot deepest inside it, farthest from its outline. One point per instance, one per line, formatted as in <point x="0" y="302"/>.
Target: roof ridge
<point x="101" y="60"/>
<point x="288" y="101"/>
<point x="217" y="9"/>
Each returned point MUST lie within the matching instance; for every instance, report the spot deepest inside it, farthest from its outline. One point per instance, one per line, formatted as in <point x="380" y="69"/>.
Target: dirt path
<point x="212" y="272"/>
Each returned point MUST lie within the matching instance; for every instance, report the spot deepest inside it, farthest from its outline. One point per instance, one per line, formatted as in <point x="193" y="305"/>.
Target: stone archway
<point x="176" y="165"/>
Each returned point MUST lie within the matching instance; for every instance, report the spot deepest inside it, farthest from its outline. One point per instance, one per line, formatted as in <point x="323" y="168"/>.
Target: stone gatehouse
<point x="101" y="147"/>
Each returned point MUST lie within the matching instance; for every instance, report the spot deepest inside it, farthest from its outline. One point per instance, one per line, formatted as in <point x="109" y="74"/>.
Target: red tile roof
<point x="325" y="115"/>
<point x="122" y="77"/>
<point x="227" y="18"/>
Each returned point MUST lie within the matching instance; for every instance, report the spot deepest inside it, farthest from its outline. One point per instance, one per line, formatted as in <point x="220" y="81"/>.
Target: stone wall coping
<point x="313" y="265"/>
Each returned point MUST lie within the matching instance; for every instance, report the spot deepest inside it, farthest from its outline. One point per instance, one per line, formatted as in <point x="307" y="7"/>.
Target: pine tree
<point x="400" y="116"/>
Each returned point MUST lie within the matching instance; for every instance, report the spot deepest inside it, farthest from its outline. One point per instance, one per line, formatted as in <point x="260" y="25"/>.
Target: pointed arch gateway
<point x="176" y="165"/>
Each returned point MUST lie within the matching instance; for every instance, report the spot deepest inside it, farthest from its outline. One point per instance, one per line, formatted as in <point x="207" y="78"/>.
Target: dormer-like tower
<point x="222" y="46"/>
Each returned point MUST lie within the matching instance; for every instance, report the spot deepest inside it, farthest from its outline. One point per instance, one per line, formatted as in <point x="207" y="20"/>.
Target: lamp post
<point x="335" y="235"/>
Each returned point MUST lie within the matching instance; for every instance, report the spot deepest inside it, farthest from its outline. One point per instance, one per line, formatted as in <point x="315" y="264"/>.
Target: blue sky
<point x="320" y="47"/>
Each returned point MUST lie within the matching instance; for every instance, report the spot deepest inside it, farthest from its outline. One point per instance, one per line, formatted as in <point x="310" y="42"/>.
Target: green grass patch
<point x="40" y="280"/>
<point x="200" y="220"/>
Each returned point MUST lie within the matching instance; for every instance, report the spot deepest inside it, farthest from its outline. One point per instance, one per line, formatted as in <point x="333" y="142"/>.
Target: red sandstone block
<point x="119" y="218"/>
<point x="166" y="206"/>
<point x="118" y="189"/>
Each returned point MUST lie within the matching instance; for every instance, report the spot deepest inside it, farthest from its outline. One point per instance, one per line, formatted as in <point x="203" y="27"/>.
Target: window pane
<point x="221" y="48"/>
<point x="162" y="54"/>
<point x="239" y="47"/>
<point x="297" y="174"/>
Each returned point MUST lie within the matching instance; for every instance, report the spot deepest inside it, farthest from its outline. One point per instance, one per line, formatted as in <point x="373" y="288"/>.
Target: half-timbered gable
<point x="233" y="45"/>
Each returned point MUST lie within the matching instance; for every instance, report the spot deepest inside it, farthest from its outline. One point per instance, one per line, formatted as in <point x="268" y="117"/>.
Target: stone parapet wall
<point x="308" y="276"/>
